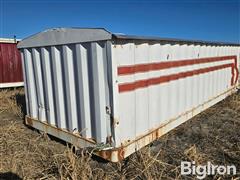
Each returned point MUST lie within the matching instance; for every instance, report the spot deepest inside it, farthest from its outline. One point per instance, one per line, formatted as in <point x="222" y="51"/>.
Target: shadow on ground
<point x="9" y="176"/>
<point x="20" y="99"/>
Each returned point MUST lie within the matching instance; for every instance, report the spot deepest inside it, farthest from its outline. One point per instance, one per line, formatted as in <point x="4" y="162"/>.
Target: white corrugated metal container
<point x="118" y="93"/>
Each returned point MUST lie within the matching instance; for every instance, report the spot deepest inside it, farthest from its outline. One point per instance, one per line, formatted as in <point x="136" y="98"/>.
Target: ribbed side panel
<point x="58" y="81"/>
<point x="160" y="82"/>
<point x="83" y="88"/>
<point x="37" y="67"/>
<point x="70" y="92"/>
<point x="48" y="85"/>
<point x="25" y="82"/>
<point x="31" y="86"/>
<point x="68" y="88"/>
<point x="98" y="88"/>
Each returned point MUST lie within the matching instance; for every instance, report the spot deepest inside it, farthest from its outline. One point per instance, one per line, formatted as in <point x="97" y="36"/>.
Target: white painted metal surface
<point x="14" y="84"/>
<point x="66" y="87"/>
<point x="118" y="91"/>
<point x="7" y="40"/>
<point x="149" y="98"/>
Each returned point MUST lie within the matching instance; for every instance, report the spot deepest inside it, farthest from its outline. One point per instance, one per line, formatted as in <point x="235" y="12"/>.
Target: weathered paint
<point x="117" y="154"/>
<point x="160" y="81"/>
<point x="72" y="138"/>
<point x="67" y="88"/>
<point x="117" y="94"/>
<point x="10" y="64"/>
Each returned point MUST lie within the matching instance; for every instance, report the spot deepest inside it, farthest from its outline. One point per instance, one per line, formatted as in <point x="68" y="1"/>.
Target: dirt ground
<point x="213" y="135"/>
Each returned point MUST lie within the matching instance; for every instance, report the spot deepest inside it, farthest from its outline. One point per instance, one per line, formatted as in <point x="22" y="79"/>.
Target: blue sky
<point x="204" y="20"/>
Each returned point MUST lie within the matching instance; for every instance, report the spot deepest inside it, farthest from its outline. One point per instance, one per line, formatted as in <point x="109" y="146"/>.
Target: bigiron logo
<point x="202" y="171"/>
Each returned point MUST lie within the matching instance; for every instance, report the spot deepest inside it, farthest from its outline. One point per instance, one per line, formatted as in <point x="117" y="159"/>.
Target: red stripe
<point x="126" y="70"/>
<point x="236" y="68"/>
<point x="163" y="79"/>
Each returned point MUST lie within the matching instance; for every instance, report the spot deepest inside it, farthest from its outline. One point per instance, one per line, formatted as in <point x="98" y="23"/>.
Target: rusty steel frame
<point x="117" y="154"/>
<point x="63" y="134"/>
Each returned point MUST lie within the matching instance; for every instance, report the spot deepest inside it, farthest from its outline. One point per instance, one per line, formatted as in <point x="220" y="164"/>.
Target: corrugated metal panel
<point x="10" y="65"/>
<point x="123" y="93"/>
<point x="159" y="82"/>
<point x="67" y="87"/>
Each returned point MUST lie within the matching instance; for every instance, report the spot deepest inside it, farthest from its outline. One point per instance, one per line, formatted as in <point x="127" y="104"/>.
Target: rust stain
<point x="28" y="121"/>
<point x="157" y="134"/>
<point x="121" y="153"/>
<point x="105" y="154"/>
<point x="57" y="131"/>
<point x="108" y="154"/>
<point x="115" y="122"/>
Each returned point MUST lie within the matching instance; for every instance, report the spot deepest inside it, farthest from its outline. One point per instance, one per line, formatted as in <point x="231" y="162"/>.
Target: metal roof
<point x="188" y="41"/>
<point x="59" y="36"/>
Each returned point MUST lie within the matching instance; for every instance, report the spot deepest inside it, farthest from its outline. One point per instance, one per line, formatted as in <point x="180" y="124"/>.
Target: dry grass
<point x="211" y="136"/>
<point x="9" y="103"/>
